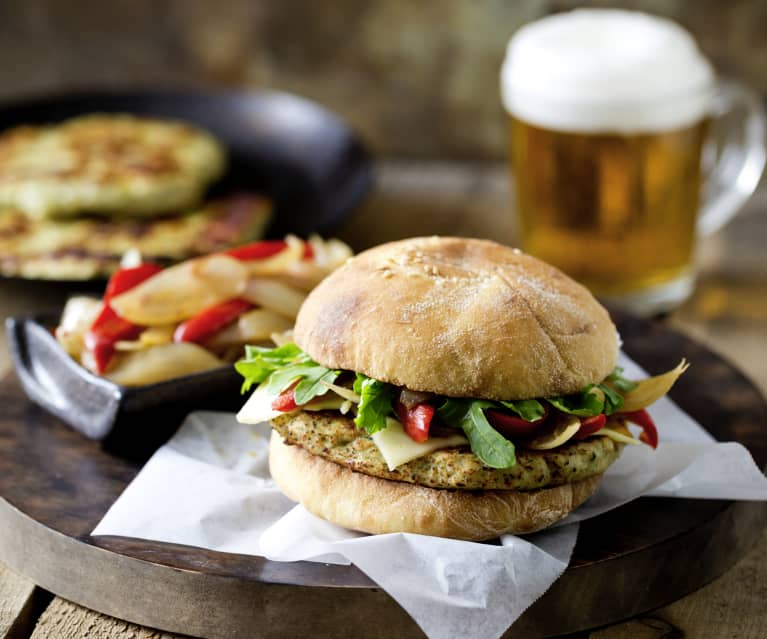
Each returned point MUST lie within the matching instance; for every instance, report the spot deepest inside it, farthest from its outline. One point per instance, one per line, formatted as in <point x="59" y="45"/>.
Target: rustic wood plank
<point x="17" y="604"/>
<point x="65" y="620"/>
<point x="731" y="606"/>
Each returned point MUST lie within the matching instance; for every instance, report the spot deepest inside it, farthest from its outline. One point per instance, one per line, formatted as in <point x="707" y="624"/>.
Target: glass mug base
<point x="655" y="300"/>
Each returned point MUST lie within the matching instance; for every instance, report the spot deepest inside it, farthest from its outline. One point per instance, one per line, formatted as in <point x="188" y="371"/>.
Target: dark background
<point x="417" y="79"/>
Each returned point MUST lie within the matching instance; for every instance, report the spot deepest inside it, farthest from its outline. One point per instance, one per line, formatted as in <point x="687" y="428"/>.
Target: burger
<point x="447" y="386"/>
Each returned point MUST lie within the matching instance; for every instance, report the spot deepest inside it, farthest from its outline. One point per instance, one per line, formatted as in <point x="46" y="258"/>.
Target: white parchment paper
<point x="209" y="486"/>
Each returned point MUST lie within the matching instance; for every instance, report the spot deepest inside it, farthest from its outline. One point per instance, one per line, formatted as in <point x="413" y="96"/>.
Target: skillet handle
<point x="54" y="381"/>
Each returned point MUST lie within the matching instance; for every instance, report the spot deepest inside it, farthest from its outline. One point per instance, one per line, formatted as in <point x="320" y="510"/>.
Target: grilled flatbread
<point x="91" y="247"/>
<point x="107" y="165"/>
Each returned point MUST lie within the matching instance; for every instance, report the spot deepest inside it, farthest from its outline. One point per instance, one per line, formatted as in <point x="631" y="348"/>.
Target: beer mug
<point x="623" y="146"/>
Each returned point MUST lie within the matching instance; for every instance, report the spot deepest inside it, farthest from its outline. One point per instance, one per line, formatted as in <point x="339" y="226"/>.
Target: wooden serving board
<point x="56" y="486"/>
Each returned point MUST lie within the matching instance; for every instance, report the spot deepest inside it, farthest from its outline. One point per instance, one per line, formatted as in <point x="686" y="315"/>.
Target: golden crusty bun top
<point x="459" y="317"/>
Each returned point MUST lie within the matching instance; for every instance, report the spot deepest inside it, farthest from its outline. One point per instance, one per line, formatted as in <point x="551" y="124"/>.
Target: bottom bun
<point x="373" y="505"/>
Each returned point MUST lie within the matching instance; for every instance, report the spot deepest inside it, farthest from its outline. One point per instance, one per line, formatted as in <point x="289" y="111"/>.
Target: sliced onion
<point x="652" y="389"/>
<point x="152" y="336"/>
<point x="124" y="346"/>
<point x="329" y="254"/>
<point x="346" y="407"/>
<point x="275" y="296"/>
<point x="303" y="275"/>
<point x="77" y="317"/>
<point x="156" y="335"/>
<point x="254" y="326"/>
<point x="181" y="291"/>
<point x="618" y="437"/>
<point x="131" y="258"/>
<point x="159" y="363"/>
<point x="347" y="394"/>
<point x="557" y="430"/>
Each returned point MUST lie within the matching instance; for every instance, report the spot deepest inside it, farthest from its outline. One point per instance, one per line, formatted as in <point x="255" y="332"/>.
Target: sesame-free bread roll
<point x="373" y="505"/>
<point x="459" y="317"/>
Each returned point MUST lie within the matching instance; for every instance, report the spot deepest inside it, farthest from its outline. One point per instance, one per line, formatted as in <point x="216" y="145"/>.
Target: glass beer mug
<point x="623" y="145"/>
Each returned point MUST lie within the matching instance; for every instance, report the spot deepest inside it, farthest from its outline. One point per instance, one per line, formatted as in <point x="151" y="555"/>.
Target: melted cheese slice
<point x="258" y="408"/>
<point x="398" y="448"/>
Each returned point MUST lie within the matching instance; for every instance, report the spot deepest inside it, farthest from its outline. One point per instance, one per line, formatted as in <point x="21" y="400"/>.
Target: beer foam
<point x="600" y="70"/>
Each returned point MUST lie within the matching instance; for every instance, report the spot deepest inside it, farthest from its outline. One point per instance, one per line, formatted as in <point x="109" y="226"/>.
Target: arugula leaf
<point x="583" y="404"/>
<point x="621" y="383"/>
<point x="260" y="362"/>
<point x="452" y="412"/>
<point x="376" y="403"/>
<point x="280" y="379"/>
<point x="613" y="399"/>
<point x="311" y="384"/>
<point x="492" y="448"/>
<point x="528" y="409"/>
<point x="278" y="355"/>
<point x="279" y="367"/>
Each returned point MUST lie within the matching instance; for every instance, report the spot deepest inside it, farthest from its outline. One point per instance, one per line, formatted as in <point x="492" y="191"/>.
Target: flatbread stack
<point x="75" y="196"/>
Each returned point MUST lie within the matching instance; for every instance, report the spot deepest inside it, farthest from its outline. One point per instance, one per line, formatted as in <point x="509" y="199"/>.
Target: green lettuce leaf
<point x="492" y="448"/>
<point x="280" y="367"/>
<point x="376" y="403"/>
<point x="621" y="383"/>
<point x="313" y="382"/>
<point x="613" y="399"/>
<point x="260" y="362"/>
<point x="588" y="403"/>
<point x="583" y="404"/>
<point x="528" y="409"/>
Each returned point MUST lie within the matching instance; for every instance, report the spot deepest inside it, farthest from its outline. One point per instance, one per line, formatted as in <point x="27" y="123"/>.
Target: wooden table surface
<point x="728" y="312"/>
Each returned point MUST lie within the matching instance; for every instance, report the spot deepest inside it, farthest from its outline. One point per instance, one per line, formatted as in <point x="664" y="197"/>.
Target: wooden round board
<point x="56" y="485"/>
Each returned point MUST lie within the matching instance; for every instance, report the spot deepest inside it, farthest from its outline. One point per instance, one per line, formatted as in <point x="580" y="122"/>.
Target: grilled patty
<point x="335" y="437"/>
<point x="106" y="164"/>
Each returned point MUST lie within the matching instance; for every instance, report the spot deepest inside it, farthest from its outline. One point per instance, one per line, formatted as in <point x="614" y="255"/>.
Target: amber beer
<point x="608" y="115"/>
<point x="617" y="212"/>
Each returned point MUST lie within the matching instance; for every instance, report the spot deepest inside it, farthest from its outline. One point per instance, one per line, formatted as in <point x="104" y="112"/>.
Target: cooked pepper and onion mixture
<point x="157" y="323"/>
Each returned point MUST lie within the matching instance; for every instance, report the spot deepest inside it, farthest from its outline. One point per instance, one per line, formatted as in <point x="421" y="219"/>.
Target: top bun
<point x="459" y="317"/>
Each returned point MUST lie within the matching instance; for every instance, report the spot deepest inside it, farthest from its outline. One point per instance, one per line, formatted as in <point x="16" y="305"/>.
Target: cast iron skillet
<point x="300" y="154"/>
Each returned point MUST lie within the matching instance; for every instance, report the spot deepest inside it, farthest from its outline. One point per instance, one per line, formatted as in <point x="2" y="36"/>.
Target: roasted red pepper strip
<point x="209" y="321"/>
<point x="126" y="278"/>
<point x="286" y="400"/>
<point x="257" y="250"/>
<point x="416" y="420"/>
<point x="109" y="327"/>
<point x="265" y="248"/>
<point x="512" y="426"/>
<point x="591" y="425"/>
<point x="641" y="418"/>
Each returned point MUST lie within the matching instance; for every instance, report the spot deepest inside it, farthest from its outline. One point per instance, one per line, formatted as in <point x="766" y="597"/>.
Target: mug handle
<point x="735" y="153"/>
